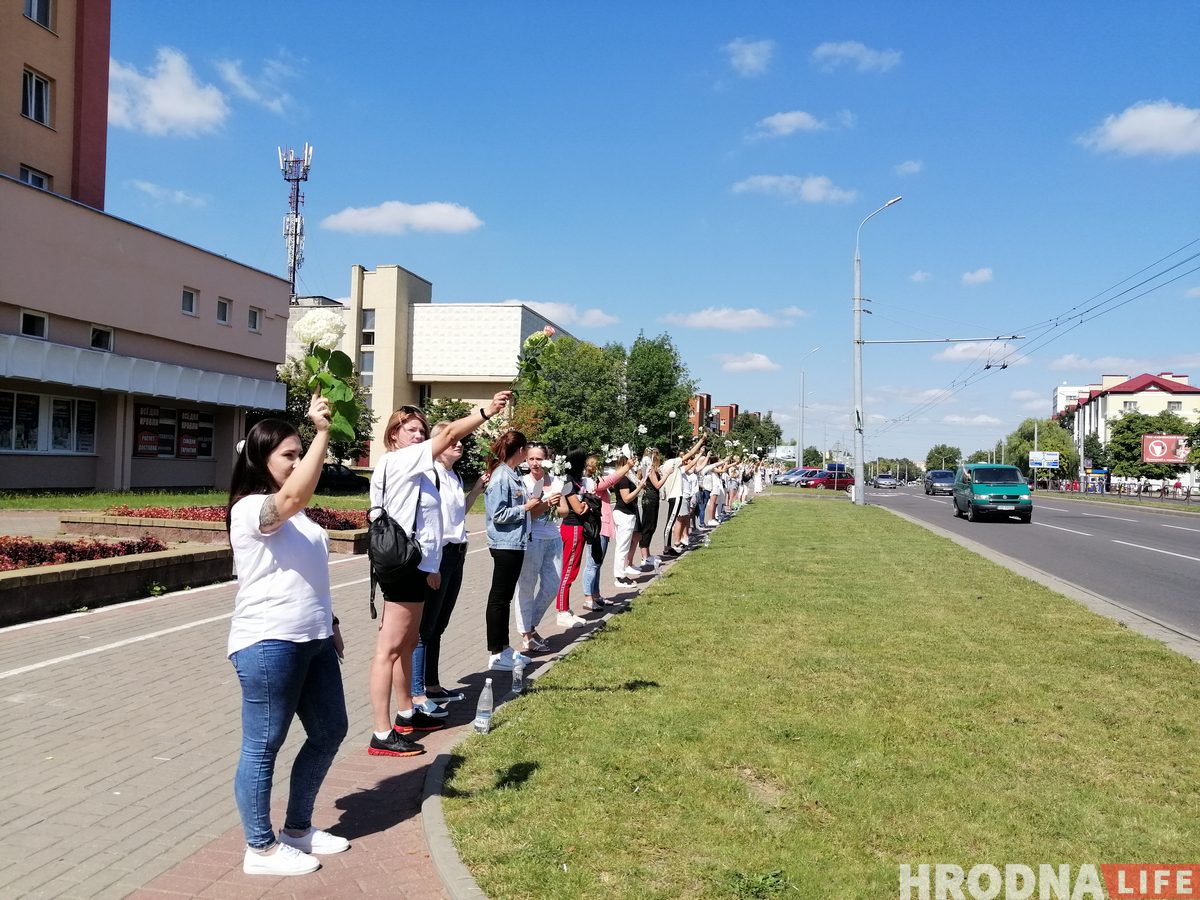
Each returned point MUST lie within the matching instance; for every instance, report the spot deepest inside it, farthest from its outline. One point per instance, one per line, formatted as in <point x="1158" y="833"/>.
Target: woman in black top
<point x="625" y="521"/>
<point x="571" y="508"/>
<point x="649" y="516"/>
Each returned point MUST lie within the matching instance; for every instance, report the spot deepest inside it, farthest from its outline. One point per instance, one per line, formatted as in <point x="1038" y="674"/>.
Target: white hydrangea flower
<point x="322" y="327"/>
<point x="642" y="429"/>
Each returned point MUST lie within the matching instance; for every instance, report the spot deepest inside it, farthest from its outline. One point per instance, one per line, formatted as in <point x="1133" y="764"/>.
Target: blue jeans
<point x="281" y="679"/>
<point x="591" y="569"/>
<point x="435" y="617"/>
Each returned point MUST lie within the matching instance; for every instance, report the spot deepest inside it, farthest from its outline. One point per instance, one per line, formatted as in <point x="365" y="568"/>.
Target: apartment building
<point x="127" y="357"/>
<point x="699" y="408"/>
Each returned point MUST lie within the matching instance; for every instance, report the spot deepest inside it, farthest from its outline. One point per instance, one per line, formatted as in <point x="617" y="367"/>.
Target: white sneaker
<point x="283" y="860"/>
<point x="568" y="619"/>
<point x="500" y="662"/>
<point x="631" y="572"/>
<point x="315" y="841"/>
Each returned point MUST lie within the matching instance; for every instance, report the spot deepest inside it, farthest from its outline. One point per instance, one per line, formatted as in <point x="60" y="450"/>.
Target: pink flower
<point x="549" y="330"/>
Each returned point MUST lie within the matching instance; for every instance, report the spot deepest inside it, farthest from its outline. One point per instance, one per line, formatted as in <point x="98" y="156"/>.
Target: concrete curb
<point x="1176" y="639"/>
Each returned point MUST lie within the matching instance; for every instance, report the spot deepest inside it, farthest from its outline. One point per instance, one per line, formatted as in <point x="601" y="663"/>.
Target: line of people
<point x="543" y="530"/>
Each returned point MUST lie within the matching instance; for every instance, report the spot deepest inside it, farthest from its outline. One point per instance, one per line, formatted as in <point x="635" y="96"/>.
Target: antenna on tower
<point x="295" y="170"/>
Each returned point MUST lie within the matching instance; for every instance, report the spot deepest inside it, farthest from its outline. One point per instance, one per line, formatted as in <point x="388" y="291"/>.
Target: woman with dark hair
<point x="405" y="483"/>
<point x="541" y="571"/>
<point x="650" y="501"/>
<point x="571" y="508"/>
<point x="508" y="510"/>
<point x="284" y="641"/>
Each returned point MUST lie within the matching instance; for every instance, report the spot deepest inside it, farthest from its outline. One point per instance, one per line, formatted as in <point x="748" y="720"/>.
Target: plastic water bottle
<point x="518" y="677"/>
<point x="483" y="712"/>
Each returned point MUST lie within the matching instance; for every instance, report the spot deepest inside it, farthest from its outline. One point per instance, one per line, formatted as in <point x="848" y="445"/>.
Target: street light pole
<point x="671" y="447"/>
<point x="859" y="494"/>
<point x="800" y="447"/>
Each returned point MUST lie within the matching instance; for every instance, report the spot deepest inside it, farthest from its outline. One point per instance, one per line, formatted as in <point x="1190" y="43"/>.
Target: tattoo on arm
<point x="268" y="516"/>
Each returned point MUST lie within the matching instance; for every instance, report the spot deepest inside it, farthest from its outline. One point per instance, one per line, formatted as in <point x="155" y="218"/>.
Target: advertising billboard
<point x="1169" y="449"/>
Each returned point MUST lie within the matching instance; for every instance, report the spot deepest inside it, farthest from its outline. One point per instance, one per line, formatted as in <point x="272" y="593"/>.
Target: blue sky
<point x="702" y="169"/>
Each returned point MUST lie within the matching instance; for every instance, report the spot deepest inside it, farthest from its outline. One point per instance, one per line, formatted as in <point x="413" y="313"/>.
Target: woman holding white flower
<point x="405" y="484"/>
<point x="541" y="569"/>
<point x="650" y="502"/>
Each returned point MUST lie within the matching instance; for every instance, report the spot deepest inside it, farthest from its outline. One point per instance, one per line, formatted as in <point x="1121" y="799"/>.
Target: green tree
<point x="942" y="456"/>
<point x="295" y="377"/>
<point x="980" y="456"/>
<point x="477" y="444"/>
<point x="656" y="384"/>
<point x="812" y="458"/>
<point x="1125" y="443"/>
<point x="1096" y="451"/>
<point x="580" y="399"/>
<point x="1051" y="436"/>
<point x="753" y="433"/>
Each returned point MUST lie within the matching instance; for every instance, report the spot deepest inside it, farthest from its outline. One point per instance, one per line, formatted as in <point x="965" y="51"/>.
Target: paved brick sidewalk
<point x="121" y="733"/>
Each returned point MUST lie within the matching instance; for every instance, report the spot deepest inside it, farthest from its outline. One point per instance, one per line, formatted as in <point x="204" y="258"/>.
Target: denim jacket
<point x="508" y="524"/>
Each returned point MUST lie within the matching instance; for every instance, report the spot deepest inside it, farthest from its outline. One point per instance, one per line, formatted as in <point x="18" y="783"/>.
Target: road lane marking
<point x="1059" y="528"/>
<point x="1179" y="527"/>
<point x="1156" y="550"/>
<point x="934" y="500"/>
<point x="1118" y="518"/>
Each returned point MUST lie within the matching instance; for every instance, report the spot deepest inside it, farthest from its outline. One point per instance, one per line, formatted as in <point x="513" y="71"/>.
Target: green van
<point x="983" y="489"/>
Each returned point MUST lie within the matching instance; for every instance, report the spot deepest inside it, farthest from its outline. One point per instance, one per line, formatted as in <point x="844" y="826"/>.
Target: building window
<point x="368" y="327"/>
<point x="102" y="338"/>
<point x="424" y="395"/>
<point x="172" y="434"/>
<point x="1175" y="406"/>
<point x="35" y="98"/>
<point x="35" y="324"/>
<point x="366" y="368"/>
<point x="188" y="304"/>
<point x="254" y="319"/>
<point x="34" y="177"/>
<point x="224" y="310"/>
<point x="38" y="11"/>
<point x="69" y="426"/>
<point x="1129" y="406"/>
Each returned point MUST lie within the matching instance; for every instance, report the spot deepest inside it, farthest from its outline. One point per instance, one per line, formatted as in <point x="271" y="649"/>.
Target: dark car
<point x="939" y="481"/>
<point x="336" y="478"/>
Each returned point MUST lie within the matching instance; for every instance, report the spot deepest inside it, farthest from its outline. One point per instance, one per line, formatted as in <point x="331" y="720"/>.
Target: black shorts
<point x="408" y="588"/>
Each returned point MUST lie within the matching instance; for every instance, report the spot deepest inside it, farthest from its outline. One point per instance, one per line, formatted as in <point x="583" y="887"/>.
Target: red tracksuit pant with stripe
<point x="573" y="546"/>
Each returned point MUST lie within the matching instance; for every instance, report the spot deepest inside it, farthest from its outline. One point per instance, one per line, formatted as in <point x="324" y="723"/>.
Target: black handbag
<point x="391" y="550"/>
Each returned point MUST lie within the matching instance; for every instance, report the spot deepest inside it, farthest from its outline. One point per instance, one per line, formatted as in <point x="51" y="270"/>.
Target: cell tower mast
<point x="295" y="170"/>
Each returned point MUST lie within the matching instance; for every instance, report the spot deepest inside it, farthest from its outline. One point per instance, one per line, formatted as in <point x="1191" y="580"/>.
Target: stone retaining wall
<point x="40" y="592"/>
<point x="172" y="530"/>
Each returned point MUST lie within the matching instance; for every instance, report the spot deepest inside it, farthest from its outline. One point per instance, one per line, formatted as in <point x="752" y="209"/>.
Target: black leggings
<point x="506" y="572"/>
<point x="672" y="513"/>
<point x="649" y="523"/>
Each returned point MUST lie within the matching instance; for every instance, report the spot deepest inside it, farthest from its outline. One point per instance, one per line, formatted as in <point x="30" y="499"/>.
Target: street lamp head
<point x="671" y="414"/>
<point x="893" y="200"/>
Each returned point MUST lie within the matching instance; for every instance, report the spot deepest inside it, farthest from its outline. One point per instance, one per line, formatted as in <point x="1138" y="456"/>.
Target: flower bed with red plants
<point x="330" y="519"/>
<point x="23" y="552"/>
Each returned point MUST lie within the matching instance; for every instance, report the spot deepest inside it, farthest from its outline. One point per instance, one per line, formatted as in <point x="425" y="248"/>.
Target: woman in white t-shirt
<point x="405" y="483"/>
<point x="284" y="641"/>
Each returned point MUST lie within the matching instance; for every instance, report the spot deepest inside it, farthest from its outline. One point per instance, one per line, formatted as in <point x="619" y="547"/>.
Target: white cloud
<point x="1030" y="401"/>
<point x="1025" y="395"/>
<point x="847" y="119"/>
<point x="794" y="312"/>
<point x="568" y="314"/>
<point x="979" y="276"/>
<point x="919" y="276"/>
<point x="994" y="352"/>
<point x="830" y="56"/>
<point x="723" y="319"/>
<point x="266" y="88"/>
<point x="395" y="217"/>
<point x="167" y="102"/>
<point x="980" y="419"/>
<point x="813" y="189"/>
<point x="1100" y="365"/>
<point x="892" y="394"/>
<point x="785" y="123"/>
<point x="749" y="58"/>
<point x="160" y="194"/>
<point x="1149" y="128"/>
<point x="1192" y="292"/>
<point x="747" y="362"/>
<point x="910" y="167"/>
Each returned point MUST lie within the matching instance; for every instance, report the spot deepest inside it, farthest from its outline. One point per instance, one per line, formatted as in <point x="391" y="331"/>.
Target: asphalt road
<point x="1145" y="560"/>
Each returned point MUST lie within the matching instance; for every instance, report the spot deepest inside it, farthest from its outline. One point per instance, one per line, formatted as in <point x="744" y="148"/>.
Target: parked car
<point x="939" y="481"/>
<point x="788" y="477"/>
<point x="983" y="489"/>
<point x="826" y="480"/>
<point x="337" y="478"/>
<point x="885" y="480"/>
<point x="797" y="476"/>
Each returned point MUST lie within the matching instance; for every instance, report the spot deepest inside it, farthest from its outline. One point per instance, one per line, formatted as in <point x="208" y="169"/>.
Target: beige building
<point x="127" y="358"/>
<point x="411" y="350"/>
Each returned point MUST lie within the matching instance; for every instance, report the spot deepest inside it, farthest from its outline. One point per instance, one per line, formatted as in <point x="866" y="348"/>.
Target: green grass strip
<point x="825" y="693"/>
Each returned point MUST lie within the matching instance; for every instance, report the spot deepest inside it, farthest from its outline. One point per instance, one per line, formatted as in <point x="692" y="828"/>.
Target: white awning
<point x="50" y="363"/>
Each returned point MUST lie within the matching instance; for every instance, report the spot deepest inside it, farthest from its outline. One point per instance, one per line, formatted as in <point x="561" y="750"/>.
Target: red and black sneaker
<point x="419" y="721"/>
<point x="394" y="745"/>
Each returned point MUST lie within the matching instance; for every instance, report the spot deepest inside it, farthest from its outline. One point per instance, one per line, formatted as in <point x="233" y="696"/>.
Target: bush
<point x="333" y="520"/>
<point x="23" y="552"/>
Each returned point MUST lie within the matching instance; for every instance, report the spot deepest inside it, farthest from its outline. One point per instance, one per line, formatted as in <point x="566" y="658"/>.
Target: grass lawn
<point x="806" y="705"/>
<point x="101" y="500"/>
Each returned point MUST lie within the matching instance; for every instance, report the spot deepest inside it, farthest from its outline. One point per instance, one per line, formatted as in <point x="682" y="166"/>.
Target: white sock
<point x="383" y="735"/>
<point x="405" y="715"/>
